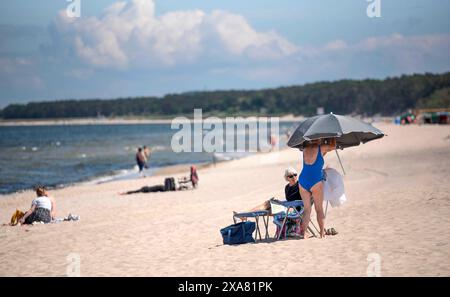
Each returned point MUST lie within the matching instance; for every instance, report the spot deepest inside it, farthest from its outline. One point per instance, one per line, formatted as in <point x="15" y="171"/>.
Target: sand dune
<point x="398" y="208"/>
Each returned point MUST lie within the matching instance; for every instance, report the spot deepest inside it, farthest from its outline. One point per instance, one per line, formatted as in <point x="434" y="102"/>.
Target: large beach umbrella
<point x="348" y="131"/>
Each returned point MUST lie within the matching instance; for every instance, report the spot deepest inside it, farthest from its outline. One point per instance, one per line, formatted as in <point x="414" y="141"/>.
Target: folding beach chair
<point x="283" y="211"/>
<point x="264" y="214"/>
<point x="184" y="182"/>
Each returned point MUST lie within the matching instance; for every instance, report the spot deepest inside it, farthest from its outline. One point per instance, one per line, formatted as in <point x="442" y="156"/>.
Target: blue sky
<point x="145" y="47"/>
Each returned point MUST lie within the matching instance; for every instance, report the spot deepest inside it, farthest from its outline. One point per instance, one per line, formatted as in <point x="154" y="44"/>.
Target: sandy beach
<point x="398" y="208"/>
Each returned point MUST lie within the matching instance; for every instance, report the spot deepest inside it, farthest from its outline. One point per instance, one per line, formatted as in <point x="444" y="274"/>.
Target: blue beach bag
<point x="238" y="233"/>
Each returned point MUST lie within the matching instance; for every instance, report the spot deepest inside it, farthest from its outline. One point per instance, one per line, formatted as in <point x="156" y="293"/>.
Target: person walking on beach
<point x="140" y="160"/>
<point x="273" y="142"/>
<point x="310" y="181"/>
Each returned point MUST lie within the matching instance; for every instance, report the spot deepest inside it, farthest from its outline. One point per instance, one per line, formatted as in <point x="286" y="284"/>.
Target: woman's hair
<point x="40" y="190"/>
<point x="289" y="171"/>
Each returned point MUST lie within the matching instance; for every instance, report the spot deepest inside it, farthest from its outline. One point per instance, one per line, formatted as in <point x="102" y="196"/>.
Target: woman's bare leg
<point x="306" y="197"/>
<point x="317" y="193"/>
<point x="262" y="206"/>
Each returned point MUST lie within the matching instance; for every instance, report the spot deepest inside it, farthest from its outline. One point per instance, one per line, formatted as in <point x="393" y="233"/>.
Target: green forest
<point x="367" y="97"/>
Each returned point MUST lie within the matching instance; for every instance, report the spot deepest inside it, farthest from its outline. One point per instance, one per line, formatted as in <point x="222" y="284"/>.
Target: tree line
<point x="368" y="97"/>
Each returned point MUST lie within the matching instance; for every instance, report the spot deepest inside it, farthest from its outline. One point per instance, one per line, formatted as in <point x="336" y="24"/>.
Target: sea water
<point x="59" y="155"/>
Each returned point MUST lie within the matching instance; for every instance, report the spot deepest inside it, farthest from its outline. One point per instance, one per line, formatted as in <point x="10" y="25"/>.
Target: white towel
<point x="334" y="190"/>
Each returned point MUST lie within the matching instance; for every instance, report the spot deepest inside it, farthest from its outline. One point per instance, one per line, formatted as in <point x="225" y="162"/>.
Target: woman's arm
<point x="27" y="214"/>
<point x="331" y="146"/>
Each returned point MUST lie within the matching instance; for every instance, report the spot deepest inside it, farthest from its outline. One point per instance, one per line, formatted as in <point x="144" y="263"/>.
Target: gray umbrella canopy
<point x="348" y="131"/>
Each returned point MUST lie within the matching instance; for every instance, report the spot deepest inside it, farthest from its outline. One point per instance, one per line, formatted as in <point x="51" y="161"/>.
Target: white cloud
<point x="336" y="45"/>
<point x="133" y="52"/>
<point x="376" y="56"/>
<point x="129" y="34"/>
<point x="240" y="38"/>
<point x="420" y="43"/>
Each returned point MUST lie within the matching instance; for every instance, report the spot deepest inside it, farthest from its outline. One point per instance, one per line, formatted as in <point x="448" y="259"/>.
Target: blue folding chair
<point x="283" y="211"/>
<point x="264" y="214"/>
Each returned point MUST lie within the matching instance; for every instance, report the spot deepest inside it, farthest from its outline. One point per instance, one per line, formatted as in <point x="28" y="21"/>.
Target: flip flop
<point x="331" y="231"/>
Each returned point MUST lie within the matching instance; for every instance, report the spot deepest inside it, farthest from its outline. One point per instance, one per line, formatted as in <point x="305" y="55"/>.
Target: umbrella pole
<point x="339" y="158"/>
<point x="326" y="207"/>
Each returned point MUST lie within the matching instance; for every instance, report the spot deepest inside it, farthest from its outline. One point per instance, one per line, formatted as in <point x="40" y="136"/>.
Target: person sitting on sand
<point x="42" y="208"/>
<point x="291" y="191"/>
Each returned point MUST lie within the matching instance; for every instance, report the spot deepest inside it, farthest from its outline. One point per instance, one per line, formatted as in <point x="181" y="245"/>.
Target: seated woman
<point x="291" y="191"/>
<point x="42" y="208"/>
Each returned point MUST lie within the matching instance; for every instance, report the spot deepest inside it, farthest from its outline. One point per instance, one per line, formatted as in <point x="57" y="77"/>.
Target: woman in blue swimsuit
<point x="310" y="180"/>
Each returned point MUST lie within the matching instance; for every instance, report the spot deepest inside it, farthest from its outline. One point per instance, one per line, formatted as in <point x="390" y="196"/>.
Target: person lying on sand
<point x="146" y="189"/>
<point x="42" y="208"/>
<point x="181" y="184"/>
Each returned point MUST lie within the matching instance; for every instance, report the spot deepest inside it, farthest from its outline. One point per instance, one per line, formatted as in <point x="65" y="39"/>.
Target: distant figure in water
<point x="42" y="208"/>
<point x="146" y="153"/>
<point x="140" y="160"/>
